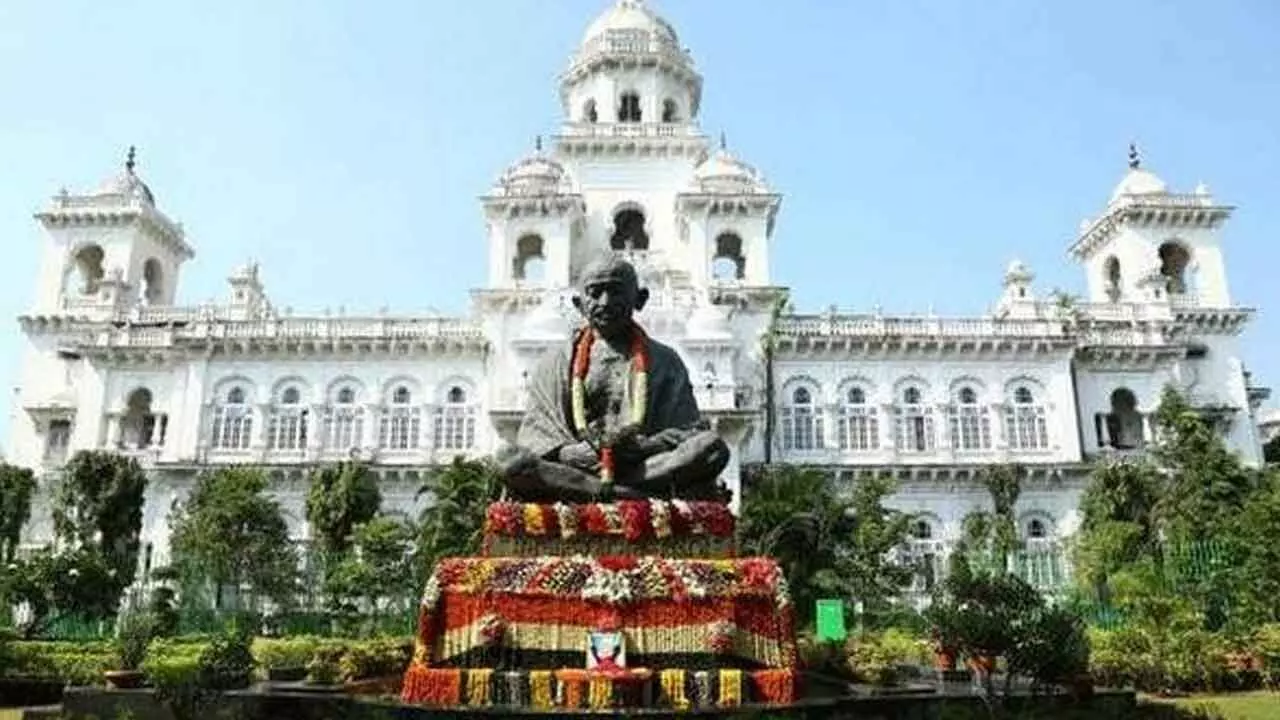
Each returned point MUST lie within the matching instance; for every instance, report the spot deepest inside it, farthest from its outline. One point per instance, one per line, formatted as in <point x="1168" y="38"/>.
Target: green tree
<point x="1206" y="484"/>
<point x="993" y="534"/>
<point x="230" y="533"/>
<point x="1257" y="568"/>
<point x="374" y="581"/>
<point x="452" y="523"/>
<point x="98" y="507"/>
<point x="1119" y="524"/>
<point x="341" y="497"/>
<point x="830" y="544"/>
<point x="873" y="577"/>
<point x="17" y="485"/>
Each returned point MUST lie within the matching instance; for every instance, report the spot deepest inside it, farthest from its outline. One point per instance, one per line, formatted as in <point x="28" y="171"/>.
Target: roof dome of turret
<point x="630" y="16"/>
<point x="126" y="183"/>
<point x="536" y="174"/>
<point x="721" y="172"/>
<point x="1138" y="182"/>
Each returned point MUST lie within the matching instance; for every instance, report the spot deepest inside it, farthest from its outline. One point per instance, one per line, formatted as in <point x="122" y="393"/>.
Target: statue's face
<point x="609" y="295"/>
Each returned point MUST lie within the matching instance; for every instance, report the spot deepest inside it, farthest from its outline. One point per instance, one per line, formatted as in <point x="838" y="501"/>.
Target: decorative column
<point x="258" y="443"/>
<point x="888" y="429"/>
<point x="831" y="427"/>
<point x="999" y="429"/>
<point x="316" y="426"/>
<point x="369" y="430"/>
<point x="942" y="440"/>
<point x="112" y="439"/>
<point x="1148" y="429"/>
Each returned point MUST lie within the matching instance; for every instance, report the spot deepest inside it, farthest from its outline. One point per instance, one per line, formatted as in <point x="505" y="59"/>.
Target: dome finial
<point x="537" y="143"/>
<point x="1135" y="160"/>
<point x="131" y="159"/>
<point x="724" y="142"/>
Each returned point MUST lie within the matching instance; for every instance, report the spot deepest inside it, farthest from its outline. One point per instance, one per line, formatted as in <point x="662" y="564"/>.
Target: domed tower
<point x="533" y="215"/>
<point x="630" y="138"/>
<point x="109" y="249"/>
<point x="1153" y="244"/>
<point x="729" y="212"/>
<point x="630" y="69"/>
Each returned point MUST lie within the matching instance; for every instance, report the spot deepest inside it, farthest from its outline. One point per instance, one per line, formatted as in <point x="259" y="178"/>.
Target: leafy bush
<point x="227" y="663"/>
<point x="134" y="631"/>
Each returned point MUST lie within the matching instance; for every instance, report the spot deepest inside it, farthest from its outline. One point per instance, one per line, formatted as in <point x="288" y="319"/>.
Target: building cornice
<point x="630" y="140"/>
<point x="76" y="212"/>
<point x="1173" y="211"/>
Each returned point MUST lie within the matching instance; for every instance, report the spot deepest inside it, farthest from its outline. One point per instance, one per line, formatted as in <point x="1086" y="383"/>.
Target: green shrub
<point x="76" y="663"/>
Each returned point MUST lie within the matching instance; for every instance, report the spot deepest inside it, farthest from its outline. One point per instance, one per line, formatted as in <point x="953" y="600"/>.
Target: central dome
<point x="631" y="16"/>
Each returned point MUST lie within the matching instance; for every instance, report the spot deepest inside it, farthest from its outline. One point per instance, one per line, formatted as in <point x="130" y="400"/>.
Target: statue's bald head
<point x="609" y="267"/>
<point x="609" y="292"/>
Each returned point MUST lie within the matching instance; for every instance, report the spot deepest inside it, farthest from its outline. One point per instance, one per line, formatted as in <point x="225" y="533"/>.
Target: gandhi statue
<point x="612" y="414"/>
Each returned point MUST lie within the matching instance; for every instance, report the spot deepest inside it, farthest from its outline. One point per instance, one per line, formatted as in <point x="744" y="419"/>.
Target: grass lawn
<point x="1261" y="705"/>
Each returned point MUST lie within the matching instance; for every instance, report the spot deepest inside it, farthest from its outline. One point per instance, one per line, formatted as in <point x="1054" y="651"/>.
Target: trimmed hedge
<point x="172" y="660"/>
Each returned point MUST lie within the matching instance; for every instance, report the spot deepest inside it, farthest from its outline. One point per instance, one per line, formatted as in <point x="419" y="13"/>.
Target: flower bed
<point x="676" y="528"/>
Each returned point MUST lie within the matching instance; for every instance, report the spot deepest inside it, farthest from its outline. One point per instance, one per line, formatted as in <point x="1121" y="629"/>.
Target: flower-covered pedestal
<point x="512" y="627"/>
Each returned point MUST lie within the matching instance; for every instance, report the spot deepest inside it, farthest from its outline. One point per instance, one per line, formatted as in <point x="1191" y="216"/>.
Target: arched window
<point x="455" y="426"/>
<point x="232" y="422"/>
<point x="922" y="530"/>
<point x="401" y="422"/>
<point x="152" y="281"/>
<point x="1026" y="424"/>
<point x="670" y="111"/>
<point x="913" y="429"/>
<point x="287" y="429"/>
<point x="1036" y="530"/>
<point x="345" y="426"/>
<point x="89" y="268"/>
<point x="1124" y="422"/>
<point x="728" y="262"/>
<point x="924" y="556"/>
<point x="801" y="422"/>
<point x="589" y="114"/>
<point x="138" y="425"/>
<point x="1112" y="279"/>
<point x="1174" y="259"/>
<point x="529" y="261"/>
<point x="970" y="423"/>
<point x="859" y="427"/>
<point x="628" y="231"/>
<point x="629" y="107"/>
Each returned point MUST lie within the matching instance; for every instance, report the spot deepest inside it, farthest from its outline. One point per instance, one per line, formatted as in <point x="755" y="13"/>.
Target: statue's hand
<point x="668" y="439"/>
<point x="580" y="456"/>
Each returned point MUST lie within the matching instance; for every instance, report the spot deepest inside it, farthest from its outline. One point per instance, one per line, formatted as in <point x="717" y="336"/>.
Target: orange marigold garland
<point x="581" y="362"/>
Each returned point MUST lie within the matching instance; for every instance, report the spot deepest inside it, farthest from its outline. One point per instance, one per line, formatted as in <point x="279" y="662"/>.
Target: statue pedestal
<point x="699" y="627"/>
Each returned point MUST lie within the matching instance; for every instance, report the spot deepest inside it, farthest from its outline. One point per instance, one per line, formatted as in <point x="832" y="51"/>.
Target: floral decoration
<point x="634" y="520"/>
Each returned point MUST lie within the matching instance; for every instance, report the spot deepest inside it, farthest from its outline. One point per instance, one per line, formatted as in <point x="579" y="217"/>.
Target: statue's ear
<point x="642" y="297"/>
<point x="577" y="302"/>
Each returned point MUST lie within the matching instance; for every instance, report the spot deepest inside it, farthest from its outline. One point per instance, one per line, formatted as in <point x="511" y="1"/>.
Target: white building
<point x="112" y="360"/>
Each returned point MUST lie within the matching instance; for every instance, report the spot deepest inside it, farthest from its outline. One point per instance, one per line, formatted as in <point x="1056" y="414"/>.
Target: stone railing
<point x="1180" y="200"/>
<point x="407" y="329"/>
<point x="629" y="42"/>
<point x="1121" y="336"/>
<point x="870" y="325"/>
<point x="627" y="130"/>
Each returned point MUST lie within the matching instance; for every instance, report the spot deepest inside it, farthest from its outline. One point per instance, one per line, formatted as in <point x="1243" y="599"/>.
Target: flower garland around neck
<point x="581" y="362"/>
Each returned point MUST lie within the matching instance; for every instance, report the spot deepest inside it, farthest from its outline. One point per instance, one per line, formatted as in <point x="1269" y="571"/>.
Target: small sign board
<point x="831" y="620"/>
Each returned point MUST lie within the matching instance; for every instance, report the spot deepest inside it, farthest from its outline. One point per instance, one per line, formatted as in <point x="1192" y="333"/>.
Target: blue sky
<point x="920" y="145"/>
